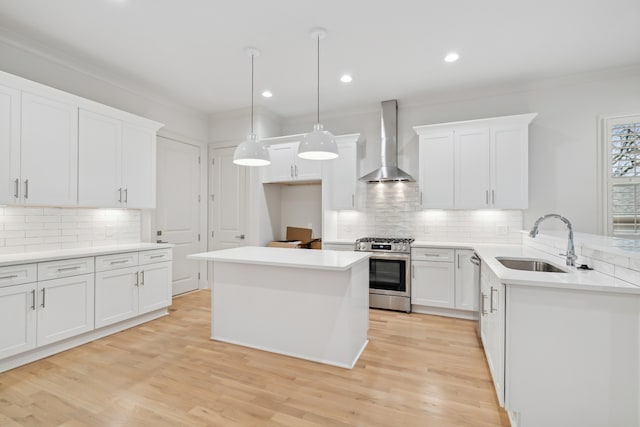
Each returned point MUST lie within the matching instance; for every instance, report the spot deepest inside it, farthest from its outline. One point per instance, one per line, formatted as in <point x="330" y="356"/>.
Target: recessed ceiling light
<point x="346" y="78"/>
<point x="451" y="57"/>
<point x="267" y="94"/>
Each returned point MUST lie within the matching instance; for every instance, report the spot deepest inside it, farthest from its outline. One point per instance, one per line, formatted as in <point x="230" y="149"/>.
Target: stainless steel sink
<point x="529" y="264"/>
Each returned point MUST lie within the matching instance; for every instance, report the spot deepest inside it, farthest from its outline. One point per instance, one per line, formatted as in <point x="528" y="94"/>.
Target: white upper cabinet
<point x="58" y="149"/>
<point x="49" y="151"/>
<point x="341" y="174"/>
<point x="100" y="153"/>
<point x="436" y="178"/>
<point x="473" y="170"/>
<point x="10" y="182"/>
<point x="475" y="164"/>
<point x="286" y="166"/>
<point x="117" y="163"/>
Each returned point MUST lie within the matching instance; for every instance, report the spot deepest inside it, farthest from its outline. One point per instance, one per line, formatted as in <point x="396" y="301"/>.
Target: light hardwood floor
<point x="416" y="371"/>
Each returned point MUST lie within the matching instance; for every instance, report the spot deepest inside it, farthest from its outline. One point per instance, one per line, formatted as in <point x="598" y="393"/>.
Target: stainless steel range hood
<point x="389" y="171"/>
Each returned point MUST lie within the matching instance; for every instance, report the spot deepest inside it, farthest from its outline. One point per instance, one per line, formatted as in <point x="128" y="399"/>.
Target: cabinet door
<point x="155" y="287"/>
<point x="9" y="145"/>
<point x="467" y="292"/>
<point x="116" y="295"/>
<point x="305" y="169"/>
<point x="510" y="177"/>
<point x="18" y="319"/>
<point x="473" y="177"/>
<point x="99" y="151"/>
<point x="436" y="177"/>
<point x="49" y="158"/>
<point x="282" y="162"/>
<point x="432" y="284"/>
<point x="341" y="177"/>
<point x="138" y="167"/>
<point x="492" y="329"/>
<point x="65" y="308"/>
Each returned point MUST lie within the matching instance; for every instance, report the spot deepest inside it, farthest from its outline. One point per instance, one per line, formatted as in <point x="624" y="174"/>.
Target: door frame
<point x="148" y="217"/>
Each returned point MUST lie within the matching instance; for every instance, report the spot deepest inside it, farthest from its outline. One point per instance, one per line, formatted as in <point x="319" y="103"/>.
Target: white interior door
<point x="227" y="200"/>
<point x="178" y="208"/>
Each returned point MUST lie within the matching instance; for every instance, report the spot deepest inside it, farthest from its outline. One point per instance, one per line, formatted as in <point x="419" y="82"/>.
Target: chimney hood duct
<point x="389" y="171"/>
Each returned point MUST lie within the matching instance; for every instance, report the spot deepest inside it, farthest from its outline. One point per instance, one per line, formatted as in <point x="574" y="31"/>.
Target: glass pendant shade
<point x="318" y="145"/>
<point x="251" y="153"/>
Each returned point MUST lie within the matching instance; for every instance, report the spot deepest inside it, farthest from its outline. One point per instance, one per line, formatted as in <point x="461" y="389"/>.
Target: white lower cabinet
<point x="492" y="327"/>
<point x="116" y="295"/>
<point x="18" y="319"/>
<point x="443" y="278"/>
<point x="73" y="301"/>
<point x="127" y="292"/>
<point x="65" y="308"/>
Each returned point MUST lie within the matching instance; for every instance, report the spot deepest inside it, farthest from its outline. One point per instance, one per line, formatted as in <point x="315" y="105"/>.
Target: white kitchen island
<point x="311" y="304"/>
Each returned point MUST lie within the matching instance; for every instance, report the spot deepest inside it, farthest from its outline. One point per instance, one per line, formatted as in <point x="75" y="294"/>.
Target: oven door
<point x="389" y="274"/>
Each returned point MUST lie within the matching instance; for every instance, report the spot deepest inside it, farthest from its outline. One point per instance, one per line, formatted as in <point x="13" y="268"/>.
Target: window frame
<point x="606" y="181"/>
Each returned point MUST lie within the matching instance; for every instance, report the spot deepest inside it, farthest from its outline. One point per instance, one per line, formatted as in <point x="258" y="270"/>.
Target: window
<point x="622" y="137"/>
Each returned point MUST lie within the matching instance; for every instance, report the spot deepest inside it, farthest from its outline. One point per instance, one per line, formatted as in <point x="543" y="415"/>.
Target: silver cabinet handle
<point x="241" y="237"/>
<point x="26" y="188"/>
<point x="413" y="271"/>
<point x="126" y="195"/>
<point x="161" y="241"/>
<point x="69" y="268"/>
<point x="491" y="305"/>
<point x="291" y="171"/>
<point x="493" y="197"/>
<point x="17" y="188"/>
<point x="33" y="299"/>
<point x="43" y="296"/>
<point x="486" y="197"/>
<point x="421" y="198"/>
<point x="119" y="262"/>
<point x="120" y="196"/>
<point x="142" y="278"/>
<point x="137" y="279"/>
<point x="428" y="254"/>
<point x="484" y="298"/>
<point x="156" y="256"/>
<point x="353" y="201"/>
<point x="296" y="169"/>
<point x="12" y="276"/>
<point x="458" y="260"/>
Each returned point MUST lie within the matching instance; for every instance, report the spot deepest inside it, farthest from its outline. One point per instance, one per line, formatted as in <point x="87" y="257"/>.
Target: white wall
<point x="35" y="64"/>
<point x="301" y="206"/>
<point x="563" y="138"/>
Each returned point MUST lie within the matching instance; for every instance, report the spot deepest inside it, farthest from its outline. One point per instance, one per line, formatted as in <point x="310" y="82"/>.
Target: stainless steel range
<point x="389" y="272"/>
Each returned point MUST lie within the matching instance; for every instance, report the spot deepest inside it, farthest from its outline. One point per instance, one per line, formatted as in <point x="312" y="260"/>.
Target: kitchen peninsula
<point x="311" y="304"/>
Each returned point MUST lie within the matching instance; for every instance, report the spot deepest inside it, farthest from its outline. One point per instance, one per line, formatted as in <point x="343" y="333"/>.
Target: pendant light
<point x="318" y="144"/>
<point x="251" y="152"/>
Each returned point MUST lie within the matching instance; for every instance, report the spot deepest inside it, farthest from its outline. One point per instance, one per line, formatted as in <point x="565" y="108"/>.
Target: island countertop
<point x="286" y="257"/>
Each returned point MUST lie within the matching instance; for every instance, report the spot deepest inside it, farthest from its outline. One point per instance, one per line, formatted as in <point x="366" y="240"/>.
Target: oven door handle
<point x="394" y="257"/>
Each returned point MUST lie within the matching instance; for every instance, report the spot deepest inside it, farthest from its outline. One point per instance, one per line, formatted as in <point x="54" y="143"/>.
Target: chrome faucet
<point x="571" y="251"/>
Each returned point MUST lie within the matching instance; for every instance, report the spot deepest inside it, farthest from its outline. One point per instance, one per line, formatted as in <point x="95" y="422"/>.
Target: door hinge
<point x="198" y="276"/>
<point x="198" y="237"/>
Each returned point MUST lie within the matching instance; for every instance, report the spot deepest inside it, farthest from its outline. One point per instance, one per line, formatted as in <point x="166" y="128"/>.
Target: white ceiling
<point x="192" y="50"/>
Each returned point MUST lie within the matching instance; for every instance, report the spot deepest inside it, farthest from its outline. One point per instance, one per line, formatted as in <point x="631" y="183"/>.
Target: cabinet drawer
<point x="18" y="274"/>
<point x="432" y="254"/>
<point x="157" y="255"/>
<point x="115" y="261"/>
<point x="64" y="268"/>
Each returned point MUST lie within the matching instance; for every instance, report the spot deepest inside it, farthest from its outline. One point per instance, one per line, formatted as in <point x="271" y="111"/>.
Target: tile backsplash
<point x="393" y="209"/>
<point x="31" y="229"/>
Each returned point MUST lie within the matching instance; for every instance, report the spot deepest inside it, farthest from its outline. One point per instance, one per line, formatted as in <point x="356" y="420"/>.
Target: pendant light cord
<point x="252" y="55"/>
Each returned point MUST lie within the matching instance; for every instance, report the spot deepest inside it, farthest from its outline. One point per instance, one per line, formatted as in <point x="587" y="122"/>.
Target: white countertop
<point x="573" y="279"/>
<point x="286" y="257"/>
<point x="28" y="257"/>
